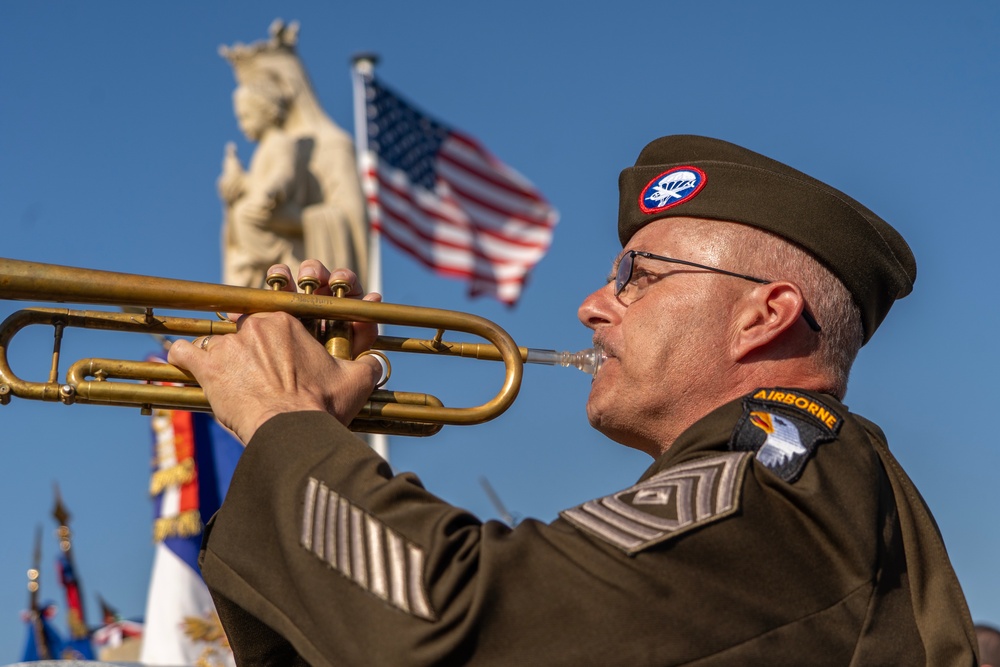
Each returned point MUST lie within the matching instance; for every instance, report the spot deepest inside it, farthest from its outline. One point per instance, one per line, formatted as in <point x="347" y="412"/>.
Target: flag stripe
<point x="452" y="264"/>
<point x="452" y="214"/>
<point x="457" y="253"/>
<point x="436" y="228"/>
<point x="449" y="203"/>
<point x="480" y="196"/>
<point x="477" y="166"/>
<point x="491" y="247"/>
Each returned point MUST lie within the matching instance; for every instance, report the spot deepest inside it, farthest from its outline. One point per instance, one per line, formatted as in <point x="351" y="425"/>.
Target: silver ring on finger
<point x="204" y="343"/>
<point x="383" y="361"/>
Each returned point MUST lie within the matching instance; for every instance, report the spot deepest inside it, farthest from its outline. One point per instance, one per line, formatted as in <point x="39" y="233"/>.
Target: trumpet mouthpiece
<point x="589" y="360"/>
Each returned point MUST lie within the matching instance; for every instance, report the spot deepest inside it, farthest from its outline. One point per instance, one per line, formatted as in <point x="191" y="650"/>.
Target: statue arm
<point x="230" y="183"/>
<point x="273" y="178"/>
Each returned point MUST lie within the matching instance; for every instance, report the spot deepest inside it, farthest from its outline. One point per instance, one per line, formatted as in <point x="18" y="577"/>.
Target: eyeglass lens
<point x="624" y="273"/>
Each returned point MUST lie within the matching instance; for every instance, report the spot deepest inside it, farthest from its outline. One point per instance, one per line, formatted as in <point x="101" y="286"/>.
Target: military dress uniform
<point x="777" y="530"/>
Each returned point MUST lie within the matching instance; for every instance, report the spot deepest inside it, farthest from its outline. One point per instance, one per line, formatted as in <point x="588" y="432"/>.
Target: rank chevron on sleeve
<point x="666" y="505"/>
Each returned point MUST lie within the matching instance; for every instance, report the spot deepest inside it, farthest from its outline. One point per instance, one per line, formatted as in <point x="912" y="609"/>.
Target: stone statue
<point x="300" y="196"/>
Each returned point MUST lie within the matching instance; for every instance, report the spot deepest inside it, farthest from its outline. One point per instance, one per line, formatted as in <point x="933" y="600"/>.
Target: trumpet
<point x="150" y="385"/>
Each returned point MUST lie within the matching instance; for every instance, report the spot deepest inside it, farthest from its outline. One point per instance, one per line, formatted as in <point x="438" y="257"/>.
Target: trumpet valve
<point x="308" y="285"/>
<point x="340" y="287"/>
<point x="277" y="281"/>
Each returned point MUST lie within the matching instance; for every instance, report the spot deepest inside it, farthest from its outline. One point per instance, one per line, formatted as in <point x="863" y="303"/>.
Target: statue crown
<point x="269" y="58"/>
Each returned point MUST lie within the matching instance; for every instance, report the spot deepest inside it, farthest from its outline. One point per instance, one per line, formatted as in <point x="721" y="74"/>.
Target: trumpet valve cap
<point x="277" y="281"/>
<point x="308" y="285"/>
<point x="340" y="287"/>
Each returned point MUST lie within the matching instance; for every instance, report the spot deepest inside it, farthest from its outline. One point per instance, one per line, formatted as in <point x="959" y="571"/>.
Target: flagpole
<point x="364" y="65"/>
<point x="75" y="612"/>
<point x="42" y="649"/>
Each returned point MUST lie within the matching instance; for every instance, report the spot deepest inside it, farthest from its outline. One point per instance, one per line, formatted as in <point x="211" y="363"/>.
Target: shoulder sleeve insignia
<point x="783" y="427"/>
<point x="666" y="505"/>
<point x="364" y="550"/>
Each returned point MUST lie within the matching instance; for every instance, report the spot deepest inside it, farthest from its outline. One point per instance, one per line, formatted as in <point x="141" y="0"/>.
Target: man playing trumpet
<point x="773" y="527"/>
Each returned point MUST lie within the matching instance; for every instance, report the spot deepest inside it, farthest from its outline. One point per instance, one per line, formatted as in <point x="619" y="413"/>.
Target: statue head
<point x="259" y="105"/>
<point x="273" y="69"/>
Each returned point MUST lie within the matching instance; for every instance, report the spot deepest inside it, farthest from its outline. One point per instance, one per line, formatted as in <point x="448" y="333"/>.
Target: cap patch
<point x="783" y="427"/>
<point x="671" y="188"/>
<point x="666" y="505"/>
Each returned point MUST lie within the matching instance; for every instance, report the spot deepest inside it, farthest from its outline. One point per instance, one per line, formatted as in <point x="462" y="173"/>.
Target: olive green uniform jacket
<point x="775" y="531"/>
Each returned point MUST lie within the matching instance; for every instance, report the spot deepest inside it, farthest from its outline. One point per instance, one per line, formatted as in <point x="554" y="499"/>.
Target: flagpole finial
<point x="365" y="61"/>
<point x="59" y="511"/>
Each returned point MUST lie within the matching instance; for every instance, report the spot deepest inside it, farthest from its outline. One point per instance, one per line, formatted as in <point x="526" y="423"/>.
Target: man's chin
<point x="601" y="420"/>
<point x="617" y="427"/>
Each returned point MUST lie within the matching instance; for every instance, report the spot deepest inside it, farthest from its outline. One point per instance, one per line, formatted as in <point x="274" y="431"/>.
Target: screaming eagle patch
<point x="669" y="503"/>
<point x="783" y="427"/>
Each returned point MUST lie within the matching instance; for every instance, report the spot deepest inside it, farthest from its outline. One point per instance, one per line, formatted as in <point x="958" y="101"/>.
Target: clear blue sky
<point x="114" y="117"/>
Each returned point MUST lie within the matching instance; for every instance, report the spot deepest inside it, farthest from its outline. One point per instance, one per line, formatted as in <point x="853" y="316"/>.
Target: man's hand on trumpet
<point x="273" y="365"/>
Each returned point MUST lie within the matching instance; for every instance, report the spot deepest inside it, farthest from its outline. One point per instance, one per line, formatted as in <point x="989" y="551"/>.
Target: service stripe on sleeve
<point x="364" y="550"/>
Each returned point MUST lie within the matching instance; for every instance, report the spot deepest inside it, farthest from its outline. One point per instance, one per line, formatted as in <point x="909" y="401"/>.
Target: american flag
<point x="441" y="197"/>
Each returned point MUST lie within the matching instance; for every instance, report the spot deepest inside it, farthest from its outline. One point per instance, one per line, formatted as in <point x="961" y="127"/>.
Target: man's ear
<point x="765" y="314"/>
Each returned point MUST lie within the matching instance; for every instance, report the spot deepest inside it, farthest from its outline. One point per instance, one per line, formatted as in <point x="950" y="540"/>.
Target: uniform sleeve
<point x="348" y="564"/>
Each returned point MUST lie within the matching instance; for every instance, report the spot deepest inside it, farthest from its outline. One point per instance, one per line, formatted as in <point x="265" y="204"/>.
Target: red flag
<point x="441" y="197"/>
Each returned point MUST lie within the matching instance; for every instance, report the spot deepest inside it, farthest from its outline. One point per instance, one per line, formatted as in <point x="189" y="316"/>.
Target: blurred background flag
<point x="441" y="197"/>
<point x="194" y="458"/>
<point x="78" y="642"/>
<point x="43" y="641"/>
<point x="115" y="631"/>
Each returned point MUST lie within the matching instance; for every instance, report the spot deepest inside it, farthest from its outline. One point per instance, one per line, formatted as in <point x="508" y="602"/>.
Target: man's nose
<point x="599" y="308"/>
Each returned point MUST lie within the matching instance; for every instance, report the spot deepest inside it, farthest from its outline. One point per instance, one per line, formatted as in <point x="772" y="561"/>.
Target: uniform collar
<point x="712" y="432"/>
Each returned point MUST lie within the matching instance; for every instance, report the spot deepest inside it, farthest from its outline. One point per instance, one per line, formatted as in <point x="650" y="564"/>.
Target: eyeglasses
<point x="628" y="291"/>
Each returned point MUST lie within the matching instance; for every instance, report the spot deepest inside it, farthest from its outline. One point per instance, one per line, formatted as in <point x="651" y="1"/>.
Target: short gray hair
<point x="769" y="256"/>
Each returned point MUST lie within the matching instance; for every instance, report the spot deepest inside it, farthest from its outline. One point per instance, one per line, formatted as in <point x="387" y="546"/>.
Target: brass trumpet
<point x="149" y="385"/>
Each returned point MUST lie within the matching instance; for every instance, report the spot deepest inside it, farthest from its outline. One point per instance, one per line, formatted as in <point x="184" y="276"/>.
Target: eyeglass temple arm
<point x="806" y="315"/>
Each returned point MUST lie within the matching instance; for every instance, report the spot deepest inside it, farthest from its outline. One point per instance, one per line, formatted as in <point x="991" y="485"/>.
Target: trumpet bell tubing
<point x="92" y="381"/>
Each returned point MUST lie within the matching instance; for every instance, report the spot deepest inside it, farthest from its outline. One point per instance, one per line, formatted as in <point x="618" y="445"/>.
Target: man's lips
<point x="606" y="350"/>
<point x="601" y="354"/>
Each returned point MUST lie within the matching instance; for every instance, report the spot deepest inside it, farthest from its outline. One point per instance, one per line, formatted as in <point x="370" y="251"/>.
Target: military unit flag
<point x="194" y="458"/>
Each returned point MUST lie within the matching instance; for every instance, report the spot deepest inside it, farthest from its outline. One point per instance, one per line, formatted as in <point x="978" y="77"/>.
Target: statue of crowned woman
<point x="299" y="196"/>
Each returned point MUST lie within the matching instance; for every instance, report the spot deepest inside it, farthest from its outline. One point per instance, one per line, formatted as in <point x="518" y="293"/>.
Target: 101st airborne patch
<point x="783" y="427"/>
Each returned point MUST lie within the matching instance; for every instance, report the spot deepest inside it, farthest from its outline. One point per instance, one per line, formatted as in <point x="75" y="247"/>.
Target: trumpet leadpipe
<point x="588" y="360"/>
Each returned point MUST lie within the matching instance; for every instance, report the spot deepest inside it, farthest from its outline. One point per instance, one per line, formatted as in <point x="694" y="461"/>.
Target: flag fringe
<point x="178" y="475"/>
<point x="185" y="524"/>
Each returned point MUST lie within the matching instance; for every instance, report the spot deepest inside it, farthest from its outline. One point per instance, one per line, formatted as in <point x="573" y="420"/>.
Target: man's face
<point x="669" y="349"/>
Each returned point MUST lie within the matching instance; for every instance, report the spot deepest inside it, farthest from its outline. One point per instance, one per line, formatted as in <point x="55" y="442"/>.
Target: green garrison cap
<point x="699" y="177"/>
